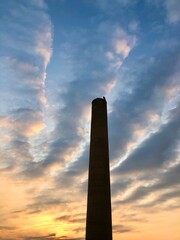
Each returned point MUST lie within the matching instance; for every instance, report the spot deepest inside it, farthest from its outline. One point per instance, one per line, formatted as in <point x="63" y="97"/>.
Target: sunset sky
<point x="56" y="56"/>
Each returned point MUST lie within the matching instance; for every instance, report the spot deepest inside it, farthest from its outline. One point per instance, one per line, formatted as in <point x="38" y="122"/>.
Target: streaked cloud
<point x="159" y="148"/>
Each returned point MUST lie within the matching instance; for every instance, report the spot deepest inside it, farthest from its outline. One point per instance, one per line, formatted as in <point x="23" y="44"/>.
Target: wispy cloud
<point x="121" y="229"/>
<point x="159" y="148"/>
<point x="76" y="97"/>
<point x="23" y="61"/>
<point x="173" y="10"/>
<point x="142" y="90"/>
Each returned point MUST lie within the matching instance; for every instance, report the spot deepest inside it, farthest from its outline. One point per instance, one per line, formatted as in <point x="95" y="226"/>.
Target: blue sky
<point x="56" y="56"/>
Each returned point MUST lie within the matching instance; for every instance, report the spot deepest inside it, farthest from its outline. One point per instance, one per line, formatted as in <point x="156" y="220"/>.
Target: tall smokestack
<point x="99" y="222"/>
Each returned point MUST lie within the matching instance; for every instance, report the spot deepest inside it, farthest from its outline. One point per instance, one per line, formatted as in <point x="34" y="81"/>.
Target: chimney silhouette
<point x="98" y="221"/>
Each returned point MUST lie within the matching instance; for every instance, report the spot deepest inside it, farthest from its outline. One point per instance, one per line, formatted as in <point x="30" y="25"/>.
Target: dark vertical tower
<point x="98" y="222"/>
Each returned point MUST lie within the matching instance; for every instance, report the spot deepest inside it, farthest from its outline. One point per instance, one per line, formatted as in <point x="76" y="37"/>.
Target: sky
<point x="56" y="56"/>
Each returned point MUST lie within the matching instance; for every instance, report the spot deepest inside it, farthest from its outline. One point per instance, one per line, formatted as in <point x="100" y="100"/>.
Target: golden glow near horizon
<point x="68" y="219"/>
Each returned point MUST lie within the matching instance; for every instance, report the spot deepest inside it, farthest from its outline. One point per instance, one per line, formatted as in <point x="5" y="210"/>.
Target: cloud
<point x="121" y="229"/>
<point x="141" y="92"/>
<point x="67" y="238"/>
<point x="159" y="148"/>
<point x="21" y="125"/>
<point x="163" y="182"/>
<point x="6" y="228"/>
<point x="132" y="217"/>
<point x="49" y="236"/>
<point x="23" y="63"/>
<point x="23" y="79"/>
<point x="161" y="202"/>
<point x="120" y="186"/>
<point x="133" y="26"/>
<point x="173" y="10"/>
<point x="23" y="121"/>
<point x="70" y="175"/>
<point x="96" y="77"/>
<point x="122" y="47"/>
<point x="78" y="218"/>
<point x="6" y="238"/>
<point x="44" y="201"/>
<point x="147" y="116"/>
<point x="27" y="122"/>
<point x="25" y="53"/>
<point x="34" y="237"/>
<point x="136" y="101"/>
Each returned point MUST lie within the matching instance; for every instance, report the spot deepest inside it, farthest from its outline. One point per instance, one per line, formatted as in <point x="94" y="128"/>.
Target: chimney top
<point x="99" y="100"/>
